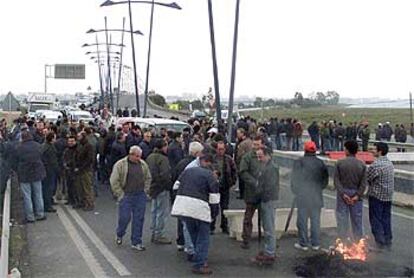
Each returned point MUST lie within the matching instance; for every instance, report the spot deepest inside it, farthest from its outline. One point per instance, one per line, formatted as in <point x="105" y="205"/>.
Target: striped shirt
<point x="381" y="179"/>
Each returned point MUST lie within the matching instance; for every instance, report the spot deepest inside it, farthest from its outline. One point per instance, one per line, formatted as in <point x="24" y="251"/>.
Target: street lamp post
<point x="214" y="57"/>
<point x="134" y="62"/>
<point x="132" y="32"/>
<point x="172" y="5"/>
<point x="118" y="93"/>
<point x="233" y="73"/>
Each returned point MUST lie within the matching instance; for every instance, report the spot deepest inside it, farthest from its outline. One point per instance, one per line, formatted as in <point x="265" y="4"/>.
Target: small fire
<point x="353" y="251"/>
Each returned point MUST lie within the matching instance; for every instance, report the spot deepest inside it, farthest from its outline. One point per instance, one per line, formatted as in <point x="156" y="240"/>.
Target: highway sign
<point x="68" y="71"/>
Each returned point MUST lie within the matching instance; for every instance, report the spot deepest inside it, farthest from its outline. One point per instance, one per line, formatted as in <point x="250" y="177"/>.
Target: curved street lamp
<point x="95" y="44"/>
<point x="91" y="31"/>
<point x="98" y="52"/>
<point x="172" y="5"/>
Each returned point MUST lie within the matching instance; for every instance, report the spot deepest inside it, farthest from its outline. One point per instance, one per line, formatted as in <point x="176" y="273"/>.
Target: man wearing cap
<point x="309" y="178"/>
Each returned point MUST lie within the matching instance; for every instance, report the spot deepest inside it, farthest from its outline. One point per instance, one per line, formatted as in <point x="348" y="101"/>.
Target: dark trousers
<point x="224" y="204"/>
<point x="73" y="194"/>
<point x="48" y="184"/>
<point x="241" y="188"/>
<point x="247" y="221"/>
<point x="380" y="220"/>
<point x="132" y="205"/>
<point x="200" y="235"/>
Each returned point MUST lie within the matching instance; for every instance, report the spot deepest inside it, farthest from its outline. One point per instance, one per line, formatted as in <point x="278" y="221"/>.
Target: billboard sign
<point x="69" y="71"/>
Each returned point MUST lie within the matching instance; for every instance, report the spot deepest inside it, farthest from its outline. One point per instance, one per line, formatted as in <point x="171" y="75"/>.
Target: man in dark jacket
<point x="50" y="161"/>
<point x="134" y="137"/>
<point x="84" y="164"/>
<point x="228" y="176"/>
<point x="60" y="145"/>
<point x="175" y="150"/>
<point x="309" y="178"/>
<point x="196" y="202"/>
<point x="30" y="171"/>
<point x="118" y="150"/>
<point x="159" y="191"/>
<point x="146" y="145"/>
<point x="266" y="192"/>
<point x="313" y="131"/>
<point x="195" y="151"/>
<point x="249" y="171"/>
<point x="69" y="164"/>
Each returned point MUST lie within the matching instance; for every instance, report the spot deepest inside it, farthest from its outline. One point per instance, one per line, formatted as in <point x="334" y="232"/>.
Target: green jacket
<point x="119" y="177"/>
<point x="160" y="172"/>
<point x="261" y="181"/>
<point x="49" y="158"/>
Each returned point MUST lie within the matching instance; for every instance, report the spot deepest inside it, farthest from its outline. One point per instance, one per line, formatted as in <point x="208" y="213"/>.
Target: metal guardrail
<point x="4" y="257"/>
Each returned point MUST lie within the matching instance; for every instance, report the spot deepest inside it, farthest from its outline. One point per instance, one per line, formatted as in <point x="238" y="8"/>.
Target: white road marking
<point x="83" y="249"/>
<point x="109" y="256"/>
<point x="366" y="206"/>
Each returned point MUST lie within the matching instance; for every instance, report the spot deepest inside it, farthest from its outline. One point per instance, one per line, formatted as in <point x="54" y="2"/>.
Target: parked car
<point x="156" y="123"/>
<point x="50" y="115"/>
<point x="199" y="115"/>
<point x="77" y="115"/>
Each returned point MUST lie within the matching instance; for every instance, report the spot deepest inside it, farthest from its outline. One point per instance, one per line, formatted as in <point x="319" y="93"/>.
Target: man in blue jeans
<point x="380" y="191"/>
<point x="159" y="191"/>
<point x="130" y="180"/>
<point x="30" y="171"/>
<point x="350" y="180"/>
<point x="196" y="204"/>
<point x="309" y="178"/>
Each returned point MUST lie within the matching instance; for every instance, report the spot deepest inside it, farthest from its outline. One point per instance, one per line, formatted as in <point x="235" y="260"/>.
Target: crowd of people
<point x="189" y="175"/>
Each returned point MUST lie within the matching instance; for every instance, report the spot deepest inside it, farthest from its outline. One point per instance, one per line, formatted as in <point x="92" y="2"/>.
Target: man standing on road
<point x="228" y="176"/>
<point x="159" y="191"/>
<point x="350" y="180"/>
<point x="266" y="193"/>
<point x="84" y="164"/>
<point x="309" y="178"/>
<point x="244" y="145"/>
<point x="30" y="171"/>
<point x="69" y="164"/>
<point x="50" y="161"/>
<point x="196" y="203"/>
<point x="249" y="171"/>
<point x="380" y="191"/>
<point x="130" y="180"/>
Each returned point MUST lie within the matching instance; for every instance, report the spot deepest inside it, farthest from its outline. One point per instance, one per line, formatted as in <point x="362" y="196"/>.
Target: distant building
<point x="10" y="103"/>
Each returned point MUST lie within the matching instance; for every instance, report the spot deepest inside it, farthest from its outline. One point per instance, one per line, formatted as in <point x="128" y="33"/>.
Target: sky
<point x="359" y="48"/>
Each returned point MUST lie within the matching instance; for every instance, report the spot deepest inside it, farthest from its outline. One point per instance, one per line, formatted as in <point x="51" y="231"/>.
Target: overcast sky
<point x="360" y="48"/>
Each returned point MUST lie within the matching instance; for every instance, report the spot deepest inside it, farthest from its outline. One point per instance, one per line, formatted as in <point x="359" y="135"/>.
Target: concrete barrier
<point x="235" y="221"/>
<point x="403" y="179"/>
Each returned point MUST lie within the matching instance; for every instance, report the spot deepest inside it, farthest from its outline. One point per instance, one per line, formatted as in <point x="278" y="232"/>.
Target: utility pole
<point x="148" y="60"/>
<point x="411" y="107"/>
<point x="233" y="73"/>
<point x="133" y="59"/>
<point x="214" y="56"/>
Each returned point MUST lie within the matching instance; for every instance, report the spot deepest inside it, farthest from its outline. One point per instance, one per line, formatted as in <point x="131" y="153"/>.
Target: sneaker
<point x="118" y="240"/>
<point x="316" y="247"/>
<point x="51" y="210"/>
<point x="204" y="270"/>
<point x="263" y="258"/>
<point x="180" y="248"/>
<point x="162" y="240"/>
<point x="138" y="247"/>
<point x="41" y="218"/>
<point x="301" y="247"/>
<point x="245" y="245"/>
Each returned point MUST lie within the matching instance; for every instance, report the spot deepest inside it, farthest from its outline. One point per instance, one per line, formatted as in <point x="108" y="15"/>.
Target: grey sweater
<point x="350" y="173"/>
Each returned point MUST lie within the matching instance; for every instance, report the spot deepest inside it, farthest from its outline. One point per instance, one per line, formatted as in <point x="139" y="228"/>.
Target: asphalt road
<point x="81" y="244"/>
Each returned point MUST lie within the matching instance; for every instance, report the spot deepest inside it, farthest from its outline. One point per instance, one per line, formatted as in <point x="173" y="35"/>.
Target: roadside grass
<point x="338" y="113"/>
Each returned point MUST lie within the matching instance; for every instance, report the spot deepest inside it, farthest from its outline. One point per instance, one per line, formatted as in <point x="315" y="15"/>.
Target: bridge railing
<point x="4" y="257"/>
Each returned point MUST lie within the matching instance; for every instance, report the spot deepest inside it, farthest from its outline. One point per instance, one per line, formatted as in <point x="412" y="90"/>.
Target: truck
<point x="40" y="101"/>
